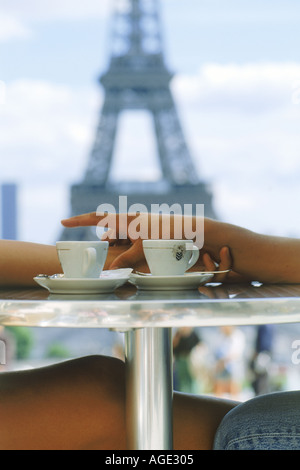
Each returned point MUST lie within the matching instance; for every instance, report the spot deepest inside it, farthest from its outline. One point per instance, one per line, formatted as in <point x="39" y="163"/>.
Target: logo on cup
<point x="179" y="252"/>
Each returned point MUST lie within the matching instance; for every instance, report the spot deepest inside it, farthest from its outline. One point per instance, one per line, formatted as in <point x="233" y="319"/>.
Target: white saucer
<point x="184" y="282"/>
<point x="106" y="283"/>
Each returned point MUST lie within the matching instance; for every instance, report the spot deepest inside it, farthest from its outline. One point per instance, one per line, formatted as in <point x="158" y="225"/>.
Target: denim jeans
<point x="267" y="422"/>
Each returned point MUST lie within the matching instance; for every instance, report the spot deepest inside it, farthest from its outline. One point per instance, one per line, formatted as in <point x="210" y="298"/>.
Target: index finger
<point x="82" y="220"/>
<point x="93" y="218"/>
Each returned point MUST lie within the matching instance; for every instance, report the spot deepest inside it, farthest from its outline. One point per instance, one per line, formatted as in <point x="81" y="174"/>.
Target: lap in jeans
<point x="267" y="422"/>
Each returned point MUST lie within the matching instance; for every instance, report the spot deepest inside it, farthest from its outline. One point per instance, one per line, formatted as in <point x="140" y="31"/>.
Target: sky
<point x="236" y="84"/>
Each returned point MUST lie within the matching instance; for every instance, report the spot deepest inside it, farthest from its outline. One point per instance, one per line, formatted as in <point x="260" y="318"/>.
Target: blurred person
<point x="80" y="404"/>
<point x="229" y="368"/>
<point x="184" y="342"/>
<point x="201" y="364"/>
<point x="262" y="359"/>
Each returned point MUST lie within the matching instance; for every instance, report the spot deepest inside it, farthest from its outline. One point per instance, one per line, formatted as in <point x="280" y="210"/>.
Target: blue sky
<point x="237" y="83"/>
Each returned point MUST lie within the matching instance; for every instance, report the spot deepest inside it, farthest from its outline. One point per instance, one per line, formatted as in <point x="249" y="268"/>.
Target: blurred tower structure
<point x="138" y="79"/>
<point x="9" y="211"/>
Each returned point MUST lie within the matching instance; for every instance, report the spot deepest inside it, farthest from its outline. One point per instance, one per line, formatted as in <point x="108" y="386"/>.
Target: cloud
<point x="45" y="130"/>
<point x="49" y="10"/>
<point x="245" y="113"/>
<point x="242" y="111"/>
<point x="242" y="125"/>
<point x="18" y="16"/>
<point x="246" y="146"/>
<point x="13" y="28"/>
<point x="242" y="88"/>
<point x="241" y="12"/>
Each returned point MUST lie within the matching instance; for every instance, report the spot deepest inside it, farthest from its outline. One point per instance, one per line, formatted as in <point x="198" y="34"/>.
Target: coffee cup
<point x="170" y="257"/>
<point x="82" y="259"/>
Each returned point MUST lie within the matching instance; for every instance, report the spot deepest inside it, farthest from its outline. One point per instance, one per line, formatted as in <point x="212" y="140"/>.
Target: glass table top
<point x="128" y="307"/>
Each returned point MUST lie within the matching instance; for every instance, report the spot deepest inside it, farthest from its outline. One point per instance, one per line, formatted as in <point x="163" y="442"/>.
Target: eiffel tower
<point x="138" y="79"/>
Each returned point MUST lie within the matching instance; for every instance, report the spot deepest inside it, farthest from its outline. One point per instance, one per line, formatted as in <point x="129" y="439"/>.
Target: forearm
<point x="258" y="257"/>
<point x="21" y="261"/>
<point x="255" y="257"/>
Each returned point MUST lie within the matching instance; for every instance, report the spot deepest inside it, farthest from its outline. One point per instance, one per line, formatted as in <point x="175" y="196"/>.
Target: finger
<point x="208" y="262"/>
<point x="115" y="242"/>
<point x="89" y="219"/>
<point x="113" y="253"/>
<point x="221" y="293"/>
<point x="119" y="222"/>
<point x="82" y="220"/>
<point x="110" y="236"/>
<point x="207" y="291"/>
<point x="225" y="259"/>
<point x="213" y="292"/>
<point x="130" y="258"/>
<point x="224" y="265"/>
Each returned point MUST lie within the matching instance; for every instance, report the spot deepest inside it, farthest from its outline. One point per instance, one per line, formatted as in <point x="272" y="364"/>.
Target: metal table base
<point x="149" y="389"/>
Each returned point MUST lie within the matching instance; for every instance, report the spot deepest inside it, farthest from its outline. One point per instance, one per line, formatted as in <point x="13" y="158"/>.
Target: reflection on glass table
<point x="147" y="318"/>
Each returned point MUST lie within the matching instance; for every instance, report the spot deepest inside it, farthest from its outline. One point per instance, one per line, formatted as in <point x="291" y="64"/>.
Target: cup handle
<point x="90" y="258"/>
<point x="195" y="256"/>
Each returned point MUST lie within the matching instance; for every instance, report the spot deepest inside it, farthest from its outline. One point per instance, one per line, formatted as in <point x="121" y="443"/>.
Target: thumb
<point x="129" y="258"/>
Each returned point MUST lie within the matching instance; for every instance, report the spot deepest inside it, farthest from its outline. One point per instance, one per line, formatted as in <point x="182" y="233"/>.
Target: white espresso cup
<point x="82" y="259"/>
<point x="170" y="257"/>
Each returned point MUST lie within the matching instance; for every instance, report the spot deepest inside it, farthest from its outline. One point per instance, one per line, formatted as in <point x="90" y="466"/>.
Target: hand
<point x="127" y="256"/>
<point x="125" y="228"/>
<point x="127" y="250"/>
<point x="224" y="264"/>
<point x="124" y="250"/>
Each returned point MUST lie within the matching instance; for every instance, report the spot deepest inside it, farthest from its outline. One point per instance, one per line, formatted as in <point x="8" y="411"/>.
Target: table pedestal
<point x="149" y="393"/>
